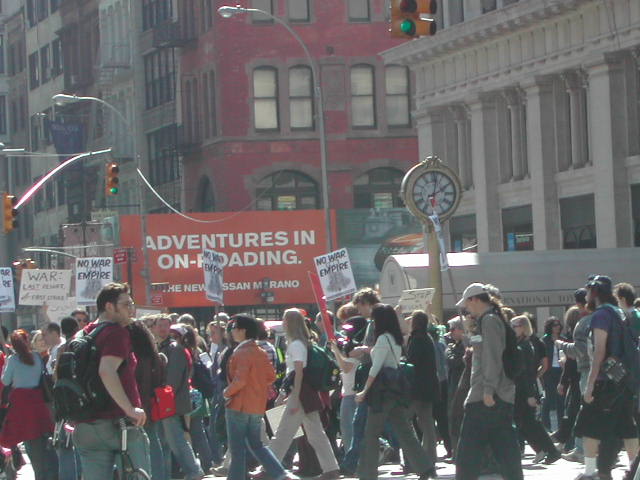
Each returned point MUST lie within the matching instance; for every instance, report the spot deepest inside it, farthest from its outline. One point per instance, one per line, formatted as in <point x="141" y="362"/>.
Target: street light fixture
<point x="229" y="12"/>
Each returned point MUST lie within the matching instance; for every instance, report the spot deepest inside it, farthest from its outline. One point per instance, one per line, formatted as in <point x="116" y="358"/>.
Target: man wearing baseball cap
<point x="488" y="409"/>
<point x="607" y="409"/>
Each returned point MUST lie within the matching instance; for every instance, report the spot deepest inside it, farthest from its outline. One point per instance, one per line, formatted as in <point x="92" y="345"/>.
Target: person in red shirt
<point x="98" y="440"/>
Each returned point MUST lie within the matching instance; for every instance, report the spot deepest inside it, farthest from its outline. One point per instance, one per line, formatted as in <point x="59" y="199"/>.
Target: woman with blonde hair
<point x="526" y="401"/>
<point x="302" y="401"/>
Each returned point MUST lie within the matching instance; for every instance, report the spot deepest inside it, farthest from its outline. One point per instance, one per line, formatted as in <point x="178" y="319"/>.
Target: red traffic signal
<point x="407" y="21"/>
<point x="10" y="212"/>
<point x="112" y="170"/>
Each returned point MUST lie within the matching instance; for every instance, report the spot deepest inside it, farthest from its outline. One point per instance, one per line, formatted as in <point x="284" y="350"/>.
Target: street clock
<point x="431" y="187"/>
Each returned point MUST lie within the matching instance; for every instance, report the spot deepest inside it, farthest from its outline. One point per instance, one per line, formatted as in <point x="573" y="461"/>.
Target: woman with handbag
<point x="303" y="403"/>
<point x="28" y="418"/>
<point x="386" y="393"/>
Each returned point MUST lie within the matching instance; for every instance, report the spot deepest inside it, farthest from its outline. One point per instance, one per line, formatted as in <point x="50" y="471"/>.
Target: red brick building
<point x="250" y="136"/>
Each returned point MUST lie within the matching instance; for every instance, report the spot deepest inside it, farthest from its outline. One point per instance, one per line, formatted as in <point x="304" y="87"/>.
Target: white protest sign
<point x="7" y="298"/>
<point x="56" y="311"/>
<point x="336" y="275"/>
<point x="212" y="267"/>
<point x="39" y="286"/>
<point x="416" y="299"/>
<point x="92" y="274"/>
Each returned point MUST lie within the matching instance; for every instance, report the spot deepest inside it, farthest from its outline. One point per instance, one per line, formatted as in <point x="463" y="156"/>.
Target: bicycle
<point x="128" y="471"/>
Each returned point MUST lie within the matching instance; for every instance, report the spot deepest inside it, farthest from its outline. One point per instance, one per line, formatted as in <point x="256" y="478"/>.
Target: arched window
<point x="265" y="99"/>
<point x="301" y="98"/>
<point x="287" y="190"/>
<point x="205" y="200"/>
<point x="378" y="188"/>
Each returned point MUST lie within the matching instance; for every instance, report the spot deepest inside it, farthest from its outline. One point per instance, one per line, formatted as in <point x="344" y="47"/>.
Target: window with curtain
<point x="265" y="5"/>
<point x="287" y="190"/>
<point x="397" y="96"/>
<point x="301" y="98"/>
<point x="363" y="108"/>
<point x="378" y="188"/>
<point x="358" y="10"/>
<point x="578" y="221"/>
<point x="298" y="10"/>
<point x="265" y="98"/>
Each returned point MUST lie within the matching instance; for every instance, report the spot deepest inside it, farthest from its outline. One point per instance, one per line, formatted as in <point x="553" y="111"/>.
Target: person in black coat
<point x="530" y="428"/>
<point x="422" y="354"/>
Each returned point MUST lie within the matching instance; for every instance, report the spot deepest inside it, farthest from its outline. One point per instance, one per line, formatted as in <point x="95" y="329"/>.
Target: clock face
<point x="435" y="192"/>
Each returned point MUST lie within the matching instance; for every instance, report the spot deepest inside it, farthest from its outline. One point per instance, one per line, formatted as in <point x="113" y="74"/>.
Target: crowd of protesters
<point x="408" y="382"/>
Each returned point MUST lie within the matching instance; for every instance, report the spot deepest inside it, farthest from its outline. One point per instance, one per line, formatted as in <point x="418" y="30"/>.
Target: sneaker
<point x="540" y="456"/>
<point x="574" y="456"/>
<point x="552" y="457"/>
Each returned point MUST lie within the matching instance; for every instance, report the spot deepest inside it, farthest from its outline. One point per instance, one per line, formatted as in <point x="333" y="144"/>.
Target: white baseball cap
<point x="472" y="290"/>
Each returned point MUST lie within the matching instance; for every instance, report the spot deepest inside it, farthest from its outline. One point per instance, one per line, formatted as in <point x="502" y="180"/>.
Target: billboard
<point x="266" y="255"/>
<point x="371" y="235"/>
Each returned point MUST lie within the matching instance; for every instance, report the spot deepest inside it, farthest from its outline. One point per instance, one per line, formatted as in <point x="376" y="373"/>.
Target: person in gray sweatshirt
<point x="488" y="409"/>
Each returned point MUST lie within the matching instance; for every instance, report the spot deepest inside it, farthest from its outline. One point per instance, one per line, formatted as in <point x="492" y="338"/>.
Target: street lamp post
<point x="228" y="12"/>
<point x="62" y="99"/>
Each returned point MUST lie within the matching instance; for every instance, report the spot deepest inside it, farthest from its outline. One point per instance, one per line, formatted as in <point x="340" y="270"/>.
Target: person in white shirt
<point x="54" y="341"/>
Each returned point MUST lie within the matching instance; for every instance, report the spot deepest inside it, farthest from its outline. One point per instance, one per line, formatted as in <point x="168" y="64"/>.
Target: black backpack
<point x="202" y="379"/>
<point x="631" y="352"/>
<point x="512" y="357"/>
<point x="78" y="393"/>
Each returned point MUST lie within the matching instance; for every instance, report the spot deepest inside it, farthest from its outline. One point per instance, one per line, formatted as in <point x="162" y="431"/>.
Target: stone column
<point x="541" y="153"/>
<point x="514" y="104"/>
<point x="461" y="118"/>
<point x="485" y="176"/>
<point x="606" y="132"/>
<point x="577" y="112"/>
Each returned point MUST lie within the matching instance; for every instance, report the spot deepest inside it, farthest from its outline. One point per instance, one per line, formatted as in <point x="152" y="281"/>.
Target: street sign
<point x="120" y="256"/>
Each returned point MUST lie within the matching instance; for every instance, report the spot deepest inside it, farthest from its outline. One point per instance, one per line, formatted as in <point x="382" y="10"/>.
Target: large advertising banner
<point x="266" y="255"/>
<point x="371" y="235"/>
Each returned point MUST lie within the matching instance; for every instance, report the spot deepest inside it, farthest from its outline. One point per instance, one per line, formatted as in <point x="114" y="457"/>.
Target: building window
<point x="358" y="10"/>
<point x="55" y="4"/>
<point x="163" y="156"/>
<point x="517" y="228"/>
<point x="301" y="98"/>
<point x="578" y="220"/>
<point x="205" y="200"/>
<point x="397" y="96"/>
<point x="265" y="99"/>
<point x="635" y="212"/>
<point x="206" y="115"/>
<point x="33" y="71"/>
<point x="3" y="114"/>
<point x="298" y="10"/>
<point x="62" y="192"/>
<point x="56" y="55"/>
<point x="265" y="5"/>
<point x="378" y="188"/>
<point x="45" y="66"/>
<point x="31" y="12"/>
<point x="11" y="59"/>
<point x="159" y="74"/>
<point x="13" y="124"/>
<point x="363" y="107"/>
<point x="43" y="9"/>
<point x="2" y="66"/>
<point x="463" y="233"/>
<point x="212" y="103"/>
<point x="287" y="190"/>
<point x="155" y="12"/>
<point x="488" y="5"/>
<point x="35" y="132"/>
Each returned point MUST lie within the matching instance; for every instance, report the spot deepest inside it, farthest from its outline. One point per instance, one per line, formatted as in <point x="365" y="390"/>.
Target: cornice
<point x="486" y="27"/>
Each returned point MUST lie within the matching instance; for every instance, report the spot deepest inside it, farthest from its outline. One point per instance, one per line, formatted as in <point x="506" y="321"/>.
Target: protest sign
<point x="335" y="273"/>
<point x="321" y="300"/>
<point x="57" y="310"/>
<point x="416" y="299"/>
<point x="92" y="274"/>
<point x="40" y="287"/>
<point x="7" y="299"/>
<point x="212" y="267"/>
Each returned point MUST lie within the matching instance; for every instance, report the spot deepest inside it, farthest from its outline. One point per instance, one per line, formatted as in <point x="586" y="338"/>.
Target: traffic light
<point x="112" y="181"/>
<point x="406" y="21"/>
<point x="10" y="212"/>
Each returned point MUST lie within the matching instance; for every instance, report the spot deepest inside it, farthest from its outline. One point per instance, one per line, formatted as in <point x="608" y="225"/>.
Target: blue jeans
<point x="68" y="464"/>
<point x="158" y="471"/>
<point x="200" y="442"/>
<point x="347" y="413"/>
<point x="98" y="444"/>
<point x="243" y="432"/>
<point x="172" y="437"/>
<point x="350" y="461"/>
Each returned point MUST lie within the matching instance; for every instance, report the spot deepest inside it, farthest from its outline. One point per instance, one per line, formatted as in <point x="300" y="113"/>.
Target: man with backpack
<point x="97" y="438"/>
<point x="607" y="408"/>
<point x="626" y="295"/>
<point x="173" y="429"/>
<point x="488" y="408"/>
